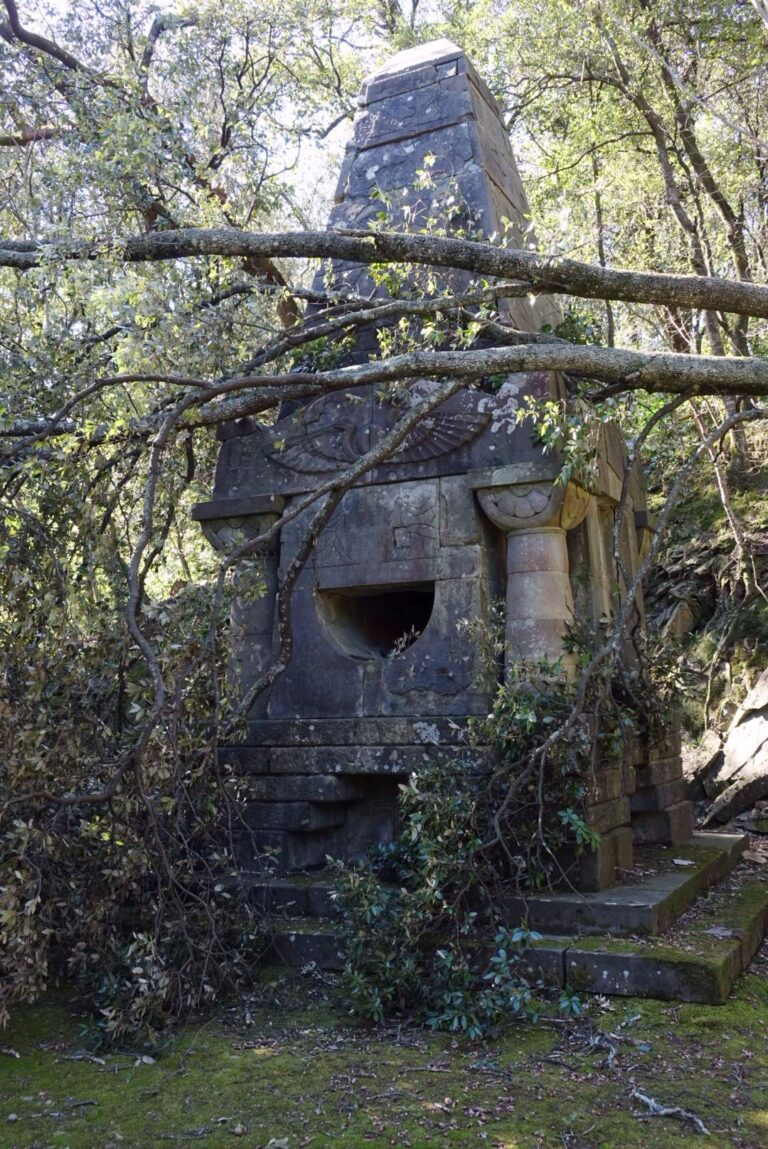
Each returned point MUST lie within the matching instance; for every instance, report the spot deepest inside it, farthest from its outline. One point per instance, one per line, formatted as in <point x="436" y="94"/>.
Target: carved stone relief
<point x="537" y="504"/>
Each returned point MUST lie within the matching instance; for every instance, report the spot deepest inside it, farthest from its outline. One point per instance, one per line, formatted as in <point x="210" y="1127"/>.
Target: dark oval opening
<point x="377" y="622"/>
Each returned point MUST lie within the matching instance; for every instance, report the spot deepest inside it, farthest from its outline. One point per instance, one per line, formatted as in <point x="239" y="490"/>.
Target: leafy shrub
<point x="125" y="890"/>
<point x="418" y="912"/>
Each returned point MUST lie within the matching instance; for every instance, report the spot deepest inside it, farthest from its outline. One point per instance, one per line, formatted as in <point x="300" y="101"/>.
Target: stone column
<point x="535" y="517"/>
<point x="253" y="613"/>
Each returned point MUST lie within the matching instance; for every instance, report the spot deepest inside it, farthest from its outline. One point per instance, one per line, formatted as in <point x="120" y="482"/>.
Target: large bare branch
<point x="628" y="370"/>
<point x="27" y="136"/>
<point x="551" y="272"/>
<point x="761" y="7"/>
<point x="15" y="30"/>
<point x="657" y="372"/>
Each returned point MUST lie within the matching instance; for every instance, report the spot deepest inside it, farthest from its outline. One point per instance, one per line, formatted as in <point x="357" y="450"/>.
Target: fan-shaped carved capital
<point x="227" y="533"/>
<point x="544" y="503"/>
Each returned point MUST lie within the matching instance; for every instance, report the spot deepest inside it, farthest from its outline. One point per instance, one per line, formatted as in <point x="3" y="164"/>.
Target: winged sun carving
<point x="334" y="445"/>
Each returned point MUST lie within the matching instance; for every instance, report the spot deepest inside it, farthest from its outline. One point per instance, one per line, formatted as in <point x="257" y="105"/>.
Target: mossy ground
<point x="289" y="1069"/>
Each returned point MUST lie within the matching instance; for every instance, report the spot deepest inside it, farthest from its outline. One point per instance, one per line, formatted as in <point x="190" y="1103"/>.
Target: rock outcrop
<point x="741" y="779"/>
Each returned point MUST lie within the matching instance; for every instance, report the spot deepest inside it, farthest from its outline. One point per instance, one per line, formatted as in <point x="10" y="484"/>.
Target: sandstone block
<point x="657" y="797"/>
<point x="672" y="825"/>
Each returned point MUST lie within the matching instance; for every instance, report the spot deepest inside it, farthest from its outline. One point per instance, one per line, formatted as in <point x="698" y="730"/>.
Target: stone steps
<point x="699" y="961"/>
<point x="299" y="941"/>
<point x="691" y="965"/>
<point x="695" y="959"/>
<point x="646" y="906"/>
<point x="292" y="897"/>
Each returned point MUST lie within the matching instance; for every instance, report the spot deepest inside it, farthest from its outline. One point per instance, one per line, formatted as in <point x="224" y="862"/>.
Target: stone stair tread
<point x="697" y="961"/>
<point x="301" y="940"/>
<point x="697" y="958"/>
<point x="309" y="925"/>
<point x="647" y="906"/>
<point x="291" y="896"/>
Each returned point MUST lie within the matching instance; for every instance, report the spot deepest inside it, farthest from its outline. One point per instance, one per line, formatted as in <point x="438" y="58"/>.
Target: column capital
<point x="535" y="505"/>
<point x="226" y="534"/>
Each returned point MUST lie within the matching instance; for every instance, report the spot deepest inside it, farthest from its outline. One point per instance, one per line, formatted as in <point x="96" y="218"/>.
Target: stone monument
<point x="469" y="511"/>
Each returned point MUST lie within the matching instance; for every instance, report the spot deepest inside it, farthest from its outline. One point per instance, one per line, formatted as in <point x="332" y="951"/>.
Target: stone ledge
<point x="646" y="907"/>
<point x="671" y="974"/>
<point x="355" y="731"/>
<point x="339" y="760"/>
<point x="697" y="963"/>
<point x="228" y="508"/>
<point x="306" y="940"/>
<point x="303" y="788"/>
<point x="291" y="897"/>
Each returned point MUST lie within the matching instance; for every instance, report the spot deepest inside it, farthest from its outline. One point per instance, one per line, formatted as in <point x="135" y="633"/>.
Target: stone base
<point x="604" y="866"/>
<point x="689" y="963"/>
<point x="640" y="908"/>
<point x="663" y="827"/>
<point x="330" y="787"/>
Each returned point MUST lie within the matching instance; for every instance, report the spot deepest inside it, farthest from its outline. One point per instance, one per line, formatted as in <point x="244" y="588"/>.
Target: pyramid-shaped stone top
<point x="430" y="150"/>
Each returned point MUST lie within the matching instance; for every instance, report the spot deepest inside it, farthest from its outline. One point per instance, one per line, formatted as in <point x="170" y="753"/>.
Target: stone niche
<point x="469" y="511"/>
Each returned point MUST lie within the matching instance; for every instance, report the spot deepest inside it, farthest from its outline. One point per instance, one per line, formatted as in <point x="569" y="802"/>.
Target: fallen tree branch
<point x="659" y="1110"/>
<point x="550" y="272"/>
<point x="655" y="372"/>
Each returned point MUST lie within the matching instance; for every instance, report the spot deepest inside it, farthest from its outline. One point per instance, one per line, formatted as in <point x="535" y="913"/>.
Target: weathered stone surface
<point x="666" y="742"/>
<point x="742" y="777"/>
<point x="401" y="760"/>
<point x="635" y="750"/>
<point x="469" y="432"/>
<point x="674" y="824"/>
<point x="700" y="763"/>
<point x="305" y="788"/>
<point x="367" y="731"/>
<point x="604" y="866"/>
<point x="608" y="815"/>
<point x="389" y="613"/>
<point x="303" y="941"/>
<point x="281" y="765"/>
<point x="292" y="897"/>
<point x="676" y="976"/>
<point x="657" y="797"/>
<point x="460" y="522"/>
<point x="657" y="773"/>
<point x="545" y="962"/>
<point x="305" y="816"/>
<point x="629" y="775"/>
<point x="606" y="785"/>
<point x="645" y="908"/>
<point x="749" y="787"/>
<point x="698" y="963"/>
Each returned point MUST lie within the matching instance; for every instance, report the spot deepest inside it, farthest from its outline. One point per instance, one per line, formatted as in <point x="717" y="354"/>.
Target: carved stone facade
<point x="468" y="511"/>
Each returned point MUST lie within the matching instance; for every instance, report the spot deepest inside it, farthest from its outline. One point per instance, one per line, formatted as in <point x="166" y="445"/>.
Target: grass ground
<point x="284" y="1069"/>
